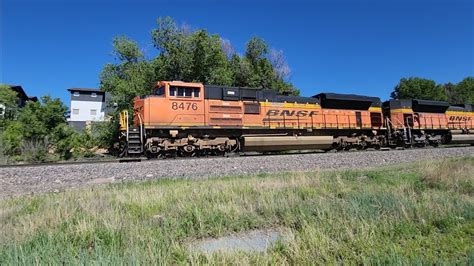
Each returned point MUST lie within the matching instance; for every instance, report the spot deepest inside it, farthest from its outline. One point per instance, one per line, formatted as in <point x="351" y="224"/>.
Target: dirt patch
<point x="250" y="241"/>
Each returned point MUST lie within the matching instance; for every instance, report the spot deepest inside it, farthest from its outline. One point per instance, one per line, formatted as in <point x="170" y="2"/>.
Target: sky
<point x="359" y="46"/>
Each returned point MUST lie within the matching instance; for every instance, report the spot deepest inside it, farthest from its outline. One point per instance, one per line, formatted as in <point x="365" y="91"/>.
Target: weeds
<point x="35" y="150"/>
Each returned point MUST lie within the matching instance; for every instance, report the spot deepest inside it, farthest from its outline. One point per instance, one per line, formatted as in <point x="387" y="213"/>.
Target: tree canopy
<point x="425" y="89"/>
<point x="191" y="56"/>
<point x="419" y="88"/>
<point x="463" y="92"/>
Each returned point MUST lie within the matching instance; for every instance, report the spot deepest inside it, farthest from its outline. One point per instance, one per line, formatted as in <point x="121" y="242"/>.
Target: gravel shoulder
<point x="42" y="179"/>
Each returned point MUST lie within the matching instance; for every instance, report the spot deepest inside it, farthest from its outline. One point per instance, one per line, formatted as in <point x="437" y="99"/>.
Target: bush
<point x="84" y="145"/>
<point x="39" y="133"/>
<point x="105" y="134"/>
<point x="3" y="157"/>
<point x="12" y="138"/>
<point x="35" y="150"/>
<point x="66" y="140"/>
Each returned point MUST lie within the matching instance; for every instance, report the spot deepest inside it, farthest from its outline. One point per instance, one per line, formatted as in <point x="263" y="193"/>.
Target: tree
<point x="12" y="138"/>
<point x="174" y="47"/>
<point x="463" y="92"/>
<point x="132" y="76"/>
<point x="419" y="88"/>
<point x="191" y="56"/>
<point x="209" y="61"/>
<point x="127" y="50"/>
<point x="282" y="70"/>
<point x="256" y="49"/>
<point x="41" y="118"/>
<point x="449" y="90"/>
<point x="227" y="47"/>
<point x="41" y="123"/>
<point x="8" y="102"/>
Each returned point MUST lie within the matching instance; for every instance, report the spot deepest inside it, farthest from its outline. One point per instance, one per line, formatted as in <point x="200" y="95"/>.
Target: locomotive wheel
<point x="187" y="150"/>
<point x="220" y="150"/>
<point x="362" y="145"/>
<point x="150" y="155"/>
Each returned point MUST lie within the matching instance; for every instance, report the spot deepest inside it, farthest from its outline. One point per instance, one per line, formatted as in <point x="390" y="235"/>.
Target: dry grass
<point x="421" y="213"/>
<point x="446" y="175"/>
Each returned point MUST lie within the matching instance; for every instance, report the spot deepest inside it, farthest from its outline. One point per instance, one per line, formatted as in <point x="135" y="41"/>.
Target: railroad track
<point x="241" y="154"/>
<point x="121" y="160"/>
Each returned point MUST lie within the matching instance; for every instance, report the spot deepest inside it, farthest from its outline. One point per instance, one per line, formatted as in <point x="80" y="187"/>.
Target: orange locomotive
<point x="186" y="119"/>
<point x="422" y="122"/>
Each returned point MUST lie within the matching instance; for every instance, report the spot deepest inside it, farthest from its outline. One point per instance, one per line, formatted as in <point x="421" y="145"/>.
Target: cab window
<point x="187" y="92"/>
<point x="160" y="91"/>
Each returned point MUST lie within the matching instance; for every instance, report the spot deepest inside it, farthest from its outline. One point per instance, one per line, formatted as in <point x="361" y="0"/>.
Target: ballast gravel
<point x="17" y="181"/>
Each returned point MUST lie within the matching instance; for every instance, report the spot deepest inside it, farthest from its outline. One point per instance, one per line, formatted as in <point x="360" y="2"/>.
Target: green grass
<point x="420" y="213"/>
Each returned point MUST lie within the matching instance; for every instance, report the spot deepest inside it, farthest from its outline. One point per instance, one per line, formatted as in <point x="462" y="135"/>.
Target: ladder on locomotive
<point x="407" y="134"/>
<point x="134" y="142"/>
<point x="134" y="135"/>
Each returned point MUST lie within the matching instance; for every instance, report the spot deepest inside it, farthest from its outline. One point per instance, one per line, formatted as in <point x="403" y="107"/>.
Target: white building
<point x="87" y="105"/>
<point x="2" y="110"/>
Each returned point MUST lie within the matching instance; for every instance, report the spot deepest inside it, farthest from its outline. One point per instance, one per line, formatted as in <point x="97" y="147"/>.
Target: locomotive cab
<point x="172" y="104"/>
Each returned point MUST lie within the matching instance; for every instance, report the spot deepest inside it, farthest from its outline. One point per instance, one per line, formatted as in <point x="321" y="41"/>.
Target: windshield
<point x="179" y="91"/>
<point x="160" y="91"/>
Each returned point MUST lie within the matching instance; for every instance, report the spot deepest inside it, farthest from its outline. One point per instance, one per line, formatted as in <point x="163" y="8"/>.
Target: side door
<point x="358" y="119"/>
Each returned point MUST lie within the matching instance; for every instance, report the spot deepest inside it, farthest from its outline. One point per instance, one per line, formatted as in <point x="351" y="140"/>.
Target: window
<point x="76" y="93"/>
<point x="75" y="111"/>
<point x="93" y="112"/>
<point x="184" y="92"/>
<point x="160" y="91"/>
<point x="93" y="94"/>
<point x="173" y="91"/>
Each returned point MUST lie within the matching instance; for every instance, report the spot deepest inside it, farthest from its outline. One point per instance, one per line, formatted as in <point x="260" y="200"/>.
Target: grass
<point x="420" y="213"/>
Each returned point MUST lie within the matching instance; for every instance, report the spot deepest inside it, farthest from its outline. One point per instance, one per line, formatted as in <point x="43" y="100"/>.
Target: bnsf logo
<point x="459" y="118"/>
<point x="301" y="113"/>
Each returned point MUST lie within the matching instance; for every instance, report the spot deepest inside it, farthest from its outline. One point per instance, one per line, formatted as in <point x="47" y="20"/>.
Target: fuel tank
<point x="462" y="139"/>
<point x="284" y="143"/>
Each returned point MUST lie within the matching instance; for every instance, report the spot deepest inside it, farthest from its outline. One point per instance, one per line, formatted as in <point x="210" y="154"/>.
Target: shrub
<point x="35" y="150"/>
<point x="12" y="138"/>
<point x="104" y="133"/>
<point x="65" y="141"/>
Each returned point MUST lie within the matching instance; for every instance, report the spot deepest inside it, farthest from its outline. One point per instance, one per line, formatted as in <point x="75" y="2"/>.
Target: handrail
<point x="126" y="115"/>
<point x="141" y="128"/>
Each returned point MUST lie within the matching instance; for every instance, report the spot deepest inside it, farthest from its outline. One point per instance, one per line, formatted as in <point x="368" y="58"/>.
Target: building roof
<point x="85" y="90"/>
<point x="21" y="93"/>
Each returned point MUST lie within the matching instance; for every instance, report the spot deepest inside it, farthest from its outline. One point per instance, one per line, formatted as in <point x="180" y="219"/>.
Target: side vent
<point x="228" y="109"/>
<point x="252" y="108"/>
